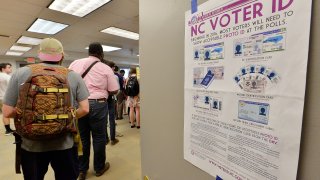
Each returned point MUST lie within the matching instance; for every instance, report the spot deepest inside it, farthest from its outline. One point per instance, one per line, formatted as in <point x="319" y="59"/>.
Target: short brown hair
<point x="133" y="70"/>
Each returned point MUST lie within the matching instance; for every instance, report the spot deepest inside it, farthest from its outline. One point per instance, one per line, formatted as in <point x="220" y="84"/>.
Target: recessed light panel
<point x="77" y="7"/>
<point x="108" y="48"/>
<point x="11" y="53"/>
<point x="29" y="40"/>
<point x="121" y="32"/>
<point x="46" y="27"/>
<point x="20" y="48"/>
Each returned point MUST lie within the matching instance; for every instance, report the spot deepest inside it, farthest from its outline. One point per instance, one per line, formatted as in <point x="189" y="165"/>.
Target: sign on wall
<point x="245" y="77"/>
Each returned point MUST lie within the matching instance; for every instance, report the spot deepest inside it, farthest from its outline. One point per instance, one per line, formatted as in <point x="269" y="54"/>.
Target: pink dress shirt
<point x="100" y="79"/>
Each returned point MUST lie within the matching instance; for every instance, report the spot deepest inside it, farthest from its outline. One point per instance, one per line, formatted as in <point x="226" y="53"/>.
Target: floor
<point x="124" y="157"/>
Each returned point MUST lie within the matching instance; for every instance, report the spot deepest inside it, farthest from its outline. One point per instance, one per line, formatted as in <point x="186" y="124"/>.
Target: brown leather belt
<point x="99" y="100"/>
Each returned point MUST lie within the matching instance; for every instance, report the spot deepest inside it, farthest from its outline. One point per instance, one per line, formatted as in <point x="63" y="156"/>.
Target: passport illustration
<point x="213" y="73"/>
<point x="207" y="80"/>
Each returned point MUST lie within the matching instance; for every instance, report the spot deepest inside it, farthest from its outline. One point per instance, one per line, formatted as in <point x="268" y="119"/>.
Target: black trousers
<point x="64" y="163"/>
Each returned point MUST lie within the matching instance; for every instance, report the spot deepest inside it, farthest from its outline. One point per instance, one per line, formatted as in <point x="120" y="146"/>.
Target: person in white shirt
<point x="4" y="80"/>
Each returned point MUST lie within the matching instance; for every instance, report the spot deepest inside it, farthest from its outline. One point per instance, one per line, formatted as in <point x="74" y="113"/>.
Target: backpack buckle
<point x="37" y="88"/>
<point x="51" y="117"/>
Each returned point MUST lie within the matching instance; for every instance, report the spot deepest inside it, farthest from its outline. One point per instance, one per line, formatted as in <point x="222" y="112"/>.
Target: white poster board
<point x="245" y="77"/>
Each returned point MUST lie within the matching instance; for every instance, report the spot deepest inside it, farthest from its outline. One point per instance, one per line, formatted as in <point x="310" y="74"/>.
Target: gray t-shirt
<point x="79" y="92"/>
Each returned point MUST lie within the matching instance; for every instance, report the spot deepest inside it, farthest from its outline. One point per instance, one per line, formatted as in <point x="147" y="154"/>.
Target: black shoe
<point x="82" y="175"/>
<point x="8" y="132"/>
<point x="106" y="167"/>
<point x="138" y="127"/>
<point x="132" y="126"/>
<point x="115" y="141"/>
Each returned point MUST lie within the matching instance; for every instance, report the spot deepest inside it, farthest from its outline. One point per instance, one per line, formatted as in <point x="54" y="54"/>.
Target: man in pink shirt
<point x="101" y="82"/>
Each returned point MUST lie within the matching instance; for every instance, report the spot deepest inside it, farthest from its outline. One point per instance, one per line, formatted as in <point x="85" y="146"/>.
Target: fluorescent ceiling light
<point x="46" y="27"/>
<point x="20" y="48"/>
<point x="29" y="40"/>
<point x="108" y="48"/>
<point x="77" y="7"/>
<point x="121" y="32"/>
<point x="11" y="53"/>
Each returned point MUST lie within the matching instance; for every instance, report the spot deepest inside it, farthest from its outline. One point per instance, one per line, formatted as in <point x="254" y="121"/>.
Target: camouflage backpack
<point x="44" y="106"/>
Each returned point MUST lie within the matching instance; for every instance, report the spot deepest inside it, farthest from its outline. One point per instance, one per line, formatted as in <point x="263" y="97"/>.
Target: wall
<point x="309" y="164"/>
<point x="162" y="86"/>
<point x="162" y="79"/>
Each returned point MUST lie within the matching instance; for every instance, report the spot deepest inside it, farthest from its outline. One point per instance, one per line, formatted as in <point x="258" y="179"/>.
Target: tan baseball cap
<point x="50" y="50"/>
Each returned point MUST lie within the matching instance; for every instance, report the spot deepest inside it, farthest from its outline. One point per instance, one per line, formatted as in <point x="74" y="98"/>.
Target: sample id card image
<point x="248" y="46"/>
<point x="198" y="53"/>
<point x="274" y="40"/>
<point x="198" y="74"/>
<point x="214" y="51"/>
<point x="216" y="104"/>
<point x="202" y="101"/>
<point x="217" y="71"/>
<point x="254" y="111"/>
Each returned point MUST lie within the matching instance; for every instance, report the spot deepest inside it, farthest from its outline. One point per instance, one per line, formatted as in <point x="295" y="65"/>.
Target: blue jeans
<point x="112" y="119"/>
<point x="93" y="123"/>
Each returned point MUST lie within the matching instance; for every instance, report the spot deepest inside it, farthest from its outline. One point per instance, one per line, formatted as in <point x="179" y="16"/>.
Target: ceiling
<point x="16" y="16"/>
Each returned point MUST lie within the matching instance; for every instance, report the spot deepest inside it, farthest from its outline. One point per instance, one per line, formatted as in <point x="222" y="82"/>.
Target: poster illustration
<point x="245" y="77"/>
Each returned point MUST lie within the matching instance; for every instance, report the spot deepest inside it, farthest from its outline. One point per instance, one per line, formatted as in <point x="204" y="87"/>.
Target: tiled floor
<point x="124" y="157"/>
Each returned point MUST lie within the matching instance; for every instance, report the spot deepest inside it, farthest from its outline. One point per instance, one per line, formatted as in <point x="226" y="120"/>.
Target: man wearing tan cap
<point x="58" y="149"/>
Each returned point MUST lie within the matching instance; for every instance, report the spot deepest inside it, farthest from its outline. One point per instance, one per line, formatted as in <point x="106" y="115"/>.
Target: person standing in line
<point x="101" y="83"/>
<point x="133" y="91"/>
<point x="120" y="95"/>
<point x="60" y="150"/>
<point x="4" y="81"/>
<point x="112" y="111"/>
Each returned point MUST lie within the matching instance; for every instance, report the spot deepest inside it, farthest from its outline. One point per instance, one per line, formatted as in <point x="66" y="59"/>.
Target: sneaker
<point x="82" y="175"/>
<point x="115" y="141"/>
<point x="101" y="172"/>
<point x="8" y="133"/>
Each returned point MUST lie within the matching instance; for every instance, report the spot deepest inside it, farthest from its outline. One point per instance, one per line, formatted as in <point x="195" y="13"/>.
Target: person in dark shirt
<point x="120" y="95"/>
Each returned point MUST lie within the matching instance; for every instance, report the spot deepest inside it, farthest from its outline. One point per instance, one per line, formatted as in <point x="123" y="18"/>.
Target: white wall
<point x="162" y="87"/>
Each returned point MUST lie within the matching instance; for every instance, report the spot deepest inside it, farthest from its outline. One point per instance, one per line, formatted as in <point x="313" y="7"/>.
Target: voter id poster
<point x="245" y="78"/>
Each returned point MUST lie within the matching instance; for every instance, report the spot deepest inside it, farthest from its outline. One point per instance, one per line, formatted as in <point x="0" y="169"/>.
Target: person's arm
<point x="113" y="83"/>
<point x="11" y="96"/>
<point x="8" y="111"/>
<point x="83" y="108"/>
<point x="113" y="92"/>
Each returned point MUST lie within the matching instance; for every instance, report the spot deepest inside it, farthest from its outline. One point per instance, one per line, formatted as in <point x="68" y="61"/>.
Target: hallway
<point x="124" y="157"/>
